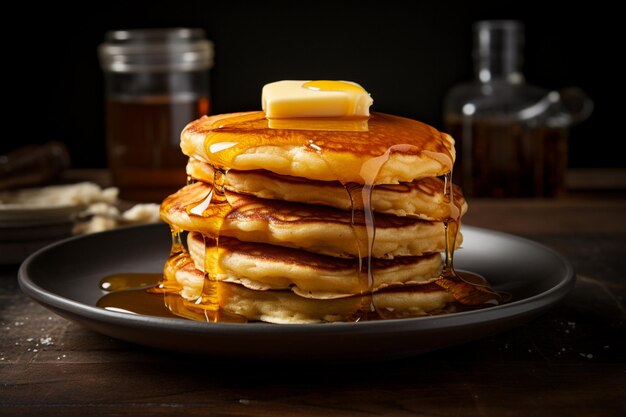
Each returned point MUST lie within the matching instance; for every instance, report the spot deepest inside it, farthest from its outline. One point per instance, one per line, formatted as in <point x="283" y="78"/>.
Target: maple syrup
<point x="511" y="135"/>
<point x="156" y="81"/>
<point x="231" y="136"/>
<point x="126" y="293"/>
<point x="119" y="282"/>
<point x="504" y="159"/>
<point x="228" y="140"/>
<point x="143" y="143"/>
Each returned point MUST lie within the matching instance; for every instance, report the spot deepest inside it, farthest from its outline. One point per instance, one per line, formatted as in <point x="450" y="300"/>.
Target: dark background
<point x="406" y="55"/>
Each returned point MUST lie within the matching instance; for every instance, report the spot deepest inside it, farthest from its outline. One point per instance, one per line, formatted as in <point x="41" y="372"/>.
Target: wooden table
<point x="571" y="361"/>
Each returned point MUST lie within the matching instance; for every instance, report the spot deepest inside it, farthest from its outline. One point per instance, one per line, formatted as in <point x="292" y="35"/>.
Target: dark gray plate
<point x="64" y="278"/>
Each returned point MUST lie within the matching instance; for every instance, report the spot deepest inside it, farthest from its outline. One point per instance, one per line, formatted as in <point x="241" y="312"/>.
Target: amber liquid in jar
<point x="500" y="158"/>
<point x="143" y="143"/>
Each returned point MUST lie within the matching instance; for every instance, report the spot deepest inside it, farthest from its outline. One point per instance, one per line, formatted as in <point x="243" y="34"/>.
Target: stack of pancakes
<point x="301" y="225"/>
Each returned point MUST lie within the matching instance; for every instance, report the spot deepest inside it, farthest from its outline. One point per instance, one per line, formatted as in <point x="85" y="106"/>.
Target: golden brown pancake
<point x="286" y="307"/>
<point x="424" y="198"/>
<point x="283" y="238"/>
<point x="393" y="150"/>
<point x="317" y="229"/>
<point x="259" y="266"/>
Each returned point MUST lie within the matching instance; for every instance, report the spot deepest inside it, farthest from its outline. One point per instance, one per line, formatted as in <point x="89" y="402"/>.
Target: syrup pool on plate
<point x="329" y="120"/>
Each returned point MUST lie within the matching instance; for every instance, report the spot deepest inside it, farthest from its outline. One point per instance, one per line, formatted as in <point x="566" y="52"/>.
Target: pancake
<point x="285" y="307"/>
<point x="393" y="149"/>
<point x="317" y="229"/>
<point x="301" y="219"/>
<point x="424" y="198"/>
<point x="260" y="266"/>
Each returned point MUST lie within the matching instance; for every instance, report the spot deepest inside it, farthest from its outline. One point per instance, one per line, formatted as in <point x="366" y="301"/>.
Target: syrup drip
<point x="369" y="173"/>
<point x="356" y="204"/>
<point x="192" y="310"/>
<point x="225" y="142"/>
<point x="216" y="207"/>
<point x="467" y="288"/>
<point x="451" y="225"/>
<point x="157" y="295"/>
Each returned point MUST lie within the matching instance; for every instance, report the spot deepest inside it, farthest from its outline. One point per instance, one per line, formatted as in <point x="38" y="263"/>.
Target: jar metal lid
<point x="156" y="50"/>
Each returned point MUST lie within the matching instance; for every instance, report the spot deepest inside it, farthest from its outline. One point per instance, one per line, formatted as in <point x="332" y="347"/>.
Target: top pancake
<point x="393" y="150"/>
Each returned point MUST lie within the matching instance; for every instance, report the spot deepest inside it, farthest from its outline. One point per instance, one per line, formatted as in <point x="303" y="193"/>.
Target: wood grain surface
<point x="571" y="361"/>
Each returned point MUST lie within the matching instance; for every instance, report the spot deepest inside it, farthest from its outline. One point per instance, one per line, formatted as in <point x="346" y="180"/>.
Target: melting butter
<point x="318" y="98"/>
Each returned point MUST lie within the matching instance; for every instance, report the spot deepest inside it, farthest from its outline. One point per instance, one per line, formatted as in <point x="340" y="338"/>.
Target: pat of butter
<point x="319" y="98"/>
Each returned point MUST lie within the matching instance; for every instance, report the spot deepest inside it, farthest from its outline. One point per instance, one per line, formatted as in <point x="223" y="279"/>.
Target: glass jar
<point x="156" y="81"/>
<point x="511" y="136"/>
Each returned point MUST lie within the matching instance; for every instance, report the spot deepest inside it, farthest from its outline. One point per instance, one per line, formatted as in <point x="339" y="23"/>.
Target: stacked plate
<point x="31" y="218"/>
<point x="26" y="228"/>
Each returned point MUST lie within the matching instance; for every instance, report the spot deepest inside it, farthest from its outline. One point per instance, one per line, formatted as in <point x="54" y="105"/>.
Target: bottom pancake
<point x="285" y="307"/>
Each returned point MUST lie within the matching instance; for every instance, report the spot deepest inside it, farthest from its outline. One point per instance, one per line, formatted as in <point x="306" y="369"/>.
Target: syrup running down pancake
<point x="244" y="141"/>
<point x="296" y="218"/>
<point x="424" y="198"/>
<point x="285" y="307"/>
<point x="262" y="267"/>
<point x="313" y="228"/>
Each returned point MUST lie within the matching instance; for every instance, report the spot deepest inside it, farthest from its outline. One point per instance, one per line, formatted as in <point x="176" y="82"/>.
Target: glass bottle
<point x="511" y="136"/>
<point x="156" y="81"/>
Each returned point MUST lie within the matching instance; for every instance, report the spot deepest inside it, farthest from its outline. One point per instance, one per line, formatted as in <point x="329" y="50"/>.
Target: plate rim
<point x="29" y="215"/>
<point x="517" y="308"/>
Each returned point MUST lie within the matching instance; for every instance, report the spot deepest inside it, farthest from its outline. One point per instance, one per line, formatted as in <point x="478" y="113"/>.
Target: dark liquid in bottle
<point x="499" y="158"/>
<point x="143" y="143"/>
